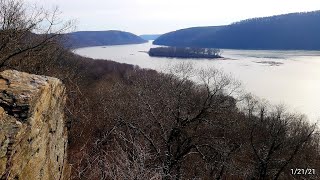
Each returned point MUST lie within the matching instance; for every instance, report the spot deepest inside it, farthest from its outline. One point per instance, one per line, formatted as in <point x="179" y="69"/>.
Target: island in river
<point x="185" y="52"/>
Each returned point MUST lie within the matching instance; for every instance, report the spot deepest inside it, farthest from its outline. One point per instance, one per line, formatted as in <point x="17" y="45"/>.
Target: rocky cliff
<point x="33" y="137"/>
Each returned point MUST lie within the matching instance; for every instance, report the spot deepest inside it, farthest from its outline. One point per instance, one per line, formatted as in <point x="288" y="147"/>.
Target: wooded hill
<point x="295" y="31"/>
<point x="101" y="38"/>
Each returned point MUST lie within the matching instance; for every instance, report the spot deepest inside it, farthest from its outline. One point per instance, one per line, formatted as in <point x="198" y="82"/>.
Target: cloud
<point x="159" y="16"/>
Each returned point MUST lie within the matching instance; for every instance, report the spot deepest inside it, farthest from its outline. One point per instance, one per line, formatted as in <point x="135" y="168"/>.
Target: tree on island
<point x="188" y="52"/>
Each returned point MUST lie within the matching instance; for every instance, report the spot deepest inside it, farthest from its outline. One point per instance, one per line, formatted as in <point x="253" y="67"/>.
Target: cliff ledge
<point x="33" y="137"/>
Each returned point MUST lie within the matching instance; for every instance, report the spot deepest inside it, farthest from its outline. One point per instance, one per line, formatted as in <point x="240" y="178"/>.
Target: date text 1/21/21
<point x="300" y="171"/>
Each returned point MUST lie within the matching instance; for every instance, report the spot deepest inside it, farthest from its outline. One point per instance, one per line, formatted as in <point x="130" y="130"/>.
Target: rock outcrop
<point x="33" y="137"/>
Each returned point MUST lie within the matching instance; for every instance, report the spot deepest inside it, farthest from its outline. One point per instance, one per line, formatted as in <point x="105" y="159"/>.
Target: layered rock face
<point x="33" y="137"/>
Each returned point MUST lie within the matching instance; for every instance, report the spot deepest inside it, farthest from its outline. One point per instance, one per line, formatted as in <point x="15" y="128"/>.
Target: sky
<point x="161" y="16"/>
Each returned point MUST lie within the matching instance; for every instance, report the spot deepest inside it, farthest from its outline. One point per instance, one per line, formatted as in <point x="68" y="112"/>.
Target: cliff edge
<point x="33" y="136"/>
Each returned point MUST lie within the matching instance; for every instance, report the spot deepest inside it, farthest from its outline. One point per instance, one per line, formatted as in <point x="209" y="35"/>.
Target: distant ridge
<point x="295" y="31"/>
<point x="149" y="37"/>
<point x="101" y="38"/>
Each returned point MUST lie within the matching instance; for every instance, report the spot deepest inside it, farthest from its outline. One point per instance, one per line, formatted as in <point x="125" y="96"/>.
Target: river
<point x="281" y="77"/>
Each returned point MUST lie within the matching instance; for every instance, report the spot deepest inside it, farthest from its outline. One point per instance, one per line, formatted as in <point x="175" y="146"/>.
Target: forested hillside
<point x="187" y="37"/>
<point x="284" y="32"/>
<point x="101" y="38"/>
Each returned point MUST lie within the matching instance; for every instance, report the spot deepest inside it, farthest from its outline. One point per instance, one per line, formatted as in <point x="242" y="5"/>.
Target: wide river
<point x="281" y="77"/>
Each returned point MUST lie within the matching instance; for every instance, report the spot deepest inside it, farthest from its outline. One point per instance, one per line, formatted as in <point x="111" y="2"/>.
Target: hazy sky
<point x="160" y="16"/>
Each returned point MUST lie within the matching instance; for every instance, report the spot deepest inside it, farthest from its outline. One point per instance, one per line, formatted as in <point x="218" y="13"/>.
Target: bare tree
<point x="27" y="31"/>
<point x="276" y="138"/>
<point x="170" y="112"/>
<point x="117" y="155"/>
<point x="185" y="124"/>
